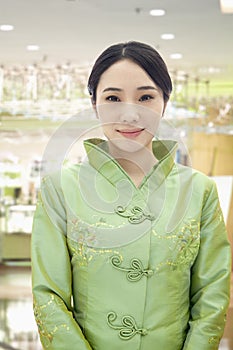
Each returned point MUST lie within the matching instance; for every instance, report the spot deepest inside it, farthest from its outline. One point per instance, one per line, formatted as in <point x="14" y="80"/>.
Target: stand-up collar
<point x="104" y="163"/>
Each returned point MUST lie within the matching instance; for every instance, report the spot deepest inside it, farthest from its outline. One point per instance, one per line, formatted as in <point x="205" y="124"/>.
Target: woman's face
<point x="129" y="105"/>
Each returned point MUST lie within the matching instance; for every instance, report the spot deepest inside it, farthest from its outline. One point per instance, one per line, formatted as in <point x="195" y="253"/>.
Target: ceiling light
<point x="226" y="6"/>
<point x="157" y="12"/>
<point x="167" y="36"/>
<point x="6" y="27"/>
<point x="176" y="56"/>
<point x="33" y="47"/>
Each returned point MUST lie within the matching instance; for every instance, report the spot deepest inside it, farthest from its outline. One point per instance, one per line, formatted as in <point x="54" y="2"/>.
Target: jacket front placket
<point x="127" y="261"/>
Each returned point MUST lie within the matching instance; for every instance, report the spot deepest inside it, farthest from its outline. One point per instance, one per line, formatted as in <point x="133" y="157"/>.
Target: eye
<point x="146" y="98"/>
<point x="113" y="98"/>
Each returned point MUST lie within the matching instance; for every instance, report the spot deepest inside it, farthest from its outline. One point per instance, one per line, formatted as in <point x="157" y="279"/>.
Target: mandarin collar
<point x="100" y="159"/>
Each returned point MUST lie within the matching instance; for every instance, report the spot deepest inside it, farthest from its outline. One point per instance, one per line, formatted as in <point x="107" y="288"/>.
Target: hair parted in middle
<point x="140" y="53"/>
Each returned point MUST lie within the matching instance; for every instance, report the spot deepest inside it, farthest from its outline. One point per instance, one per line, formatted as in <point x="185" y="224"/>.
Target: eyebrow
<point x="112" y="89"/>
<point x="147" y="87"/>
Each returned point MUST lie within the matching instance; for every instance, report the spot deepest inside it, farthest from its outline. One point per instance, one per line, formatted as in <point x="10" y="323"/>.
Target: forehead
<point x="125" y="71"/>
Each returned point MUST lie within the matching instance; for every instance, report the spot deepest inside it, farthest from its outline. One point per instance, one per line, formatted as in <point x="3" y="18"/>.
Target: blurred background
<point x="47" y="48"/>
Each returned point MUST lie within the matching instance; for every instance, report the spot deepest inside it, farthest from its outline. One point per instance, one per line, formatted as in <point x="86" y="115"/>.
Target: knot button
<point x="144" y="331"/>
<point x="149" y="273"/>
<point x="128" y="327"/>
<point x="135" y="215"/>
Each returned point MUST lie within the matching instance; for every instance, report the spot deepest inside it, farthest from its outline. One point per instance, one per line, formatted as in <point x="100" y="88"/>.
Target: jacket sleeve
<point x="51" y="274"/>
<point x="210" y="279"/>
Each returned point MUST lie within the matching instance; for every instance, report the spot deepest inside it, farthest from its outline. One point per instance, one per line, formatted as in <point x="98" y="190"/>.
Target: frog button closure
<point x="128" y="328"/>
<point x="133" y="273"/>
<point x="136" y="215"/>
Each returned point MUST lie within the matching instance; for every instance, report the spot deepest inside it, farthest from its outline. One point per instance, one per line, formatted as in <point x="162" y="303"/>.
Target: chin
<point x="127" y="145"/>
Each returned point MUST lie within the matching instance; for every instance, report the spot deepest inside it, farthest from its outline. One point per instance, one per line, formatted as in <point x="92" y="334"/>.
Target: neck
<point x="136" y="164"/>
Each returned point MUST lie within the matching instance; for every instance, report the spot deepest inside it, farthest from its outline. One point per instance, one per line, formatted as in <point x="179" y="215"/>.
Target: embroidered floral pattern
<point x="218" y="214"/>
<point x="183" y="245"/>
<point x="136" y="270"/>
<point x="79" y="252"/>
<point x="128" y="329"/>
<point x="135" y="216"/>
<point x="84" y="254"/>
<point x="189" y="237"/>
<point x="82" y="232"/>
<point x="214" y="340"/>
<point x="167" y="263"/>
<point x="42" y="314"/>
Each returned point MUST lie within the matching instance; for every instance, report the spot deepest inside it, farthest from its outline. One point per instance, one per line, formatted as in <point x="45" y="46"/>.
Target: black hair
<point x="144" y="55"/>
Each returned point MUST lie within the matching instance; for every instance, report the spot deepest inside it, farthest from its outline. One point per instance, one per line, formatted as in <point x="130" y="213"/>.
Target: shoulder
<point x="63" y="177"/>
<point x="200" y="182"/>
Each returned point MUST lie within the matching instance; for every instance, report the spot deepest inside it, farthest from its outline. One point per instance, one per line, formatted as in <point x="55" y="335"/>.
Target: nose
<point x="129" y="114"/>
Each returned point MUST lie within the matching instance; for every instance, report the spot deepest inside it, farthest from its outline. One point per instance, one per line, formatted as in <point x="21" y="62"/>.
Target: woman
<point x="129" y="249"/>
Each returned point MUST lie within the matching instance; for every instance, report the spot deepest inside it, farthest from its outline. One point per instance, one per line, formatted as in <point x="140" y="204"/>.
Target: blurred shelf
<point x="32" y="123"/>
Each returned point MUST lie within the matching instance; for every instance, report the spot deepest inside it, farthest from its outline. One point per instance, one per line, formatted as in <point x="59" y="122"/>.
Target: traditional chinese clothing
<point x="120" y="267"/>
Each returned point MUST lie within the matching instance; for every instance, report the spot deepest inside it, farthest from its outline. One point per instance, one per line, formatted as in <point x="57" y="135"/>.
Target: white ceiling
<point x="78" y="30"/>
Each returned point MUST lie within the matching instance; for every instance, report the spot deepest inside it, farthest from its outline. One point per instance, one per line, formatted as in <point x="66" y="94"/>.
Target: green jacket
<point x="120" y="267"/>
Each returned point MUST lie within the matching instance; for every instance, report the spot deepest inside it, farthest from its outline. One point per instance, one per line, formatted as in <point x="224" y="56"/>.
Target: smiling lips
<point x="130" y="132"/>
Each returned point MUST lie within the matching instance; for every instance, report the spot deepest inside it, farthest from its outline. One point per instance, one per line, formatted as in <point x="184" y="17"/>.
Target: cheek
<point x="152" y="128"/>
<point x="108" y="113"/>
<point x="108" y="130"/>
<point x="159" y="105"/>
<point x="151" y="119"/>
